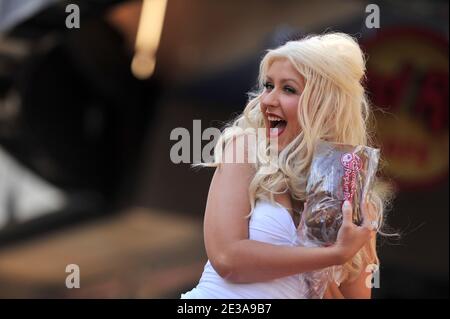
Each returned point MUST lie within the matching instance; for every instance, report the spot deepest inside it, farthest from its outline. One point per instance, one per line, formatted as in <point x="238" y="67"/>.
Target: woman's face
<point x="279" y="102"/>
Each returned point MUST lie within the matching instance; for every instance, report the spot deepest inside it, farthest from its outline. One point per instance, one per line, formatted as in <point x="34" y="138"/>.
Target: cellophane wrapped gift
<point x="338" y="172"/>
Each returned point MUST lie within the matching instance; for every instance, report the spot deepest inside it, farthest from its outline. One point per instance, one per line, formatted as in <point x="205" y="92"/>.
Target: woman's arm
<point x="239" y="259"/>
<point x="231" y="253"/>
<point x="357" y="288"/>
<point x="333" y="292"/>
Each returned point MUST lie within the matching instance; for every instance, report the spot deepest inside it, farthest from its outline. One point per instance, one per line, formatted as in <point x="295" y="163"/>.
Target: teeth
<point x="273" y="118"/>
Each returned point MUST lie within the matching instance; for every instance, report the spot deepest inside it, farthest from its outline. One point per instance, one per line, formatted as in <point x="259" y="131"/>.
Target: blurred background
<point x="85" y="170"/>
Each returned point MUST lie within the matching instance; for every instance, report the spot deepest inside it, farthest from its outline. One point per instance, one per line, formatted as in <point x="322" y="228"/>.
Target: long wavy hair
<point x="333" y="67"/>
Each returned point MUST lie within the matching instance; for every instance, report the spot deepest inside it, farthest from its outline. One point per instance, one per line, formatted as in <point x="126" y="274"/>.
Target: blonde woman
<point x="309" y="90"/>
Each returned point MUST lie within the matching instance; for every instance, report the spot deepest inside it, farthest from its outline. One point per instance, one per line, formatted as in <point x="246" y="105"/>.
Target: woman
<point x="309" y="90"/>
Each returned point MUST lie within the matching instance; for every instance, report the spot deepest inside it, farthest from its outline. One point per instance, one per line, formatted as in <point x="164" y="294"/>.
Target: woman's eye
<point x="289" y="89"/>
<point x="268" y="86"/>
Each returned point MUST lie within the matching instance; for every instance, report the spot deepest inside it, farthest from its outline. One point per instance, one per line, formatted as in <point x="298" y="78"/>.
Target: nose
<point x="271" y="100"/>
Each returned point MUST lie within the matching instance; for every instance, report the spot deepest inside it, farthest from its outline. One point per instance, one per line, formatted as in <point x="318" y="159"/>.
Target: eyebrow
<point x="285" y="80"/>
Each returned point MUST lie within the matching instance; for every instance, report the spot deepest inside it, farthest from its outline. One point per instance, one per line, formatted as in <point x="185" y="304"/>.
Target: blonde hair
<point x="333" y="67"/>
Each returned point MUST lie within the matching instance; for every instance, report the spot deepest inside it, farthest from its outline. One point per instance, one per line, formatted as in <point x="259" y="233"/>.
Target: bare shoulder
<point x="227" y="206"/>
<point x="236" y="170"/>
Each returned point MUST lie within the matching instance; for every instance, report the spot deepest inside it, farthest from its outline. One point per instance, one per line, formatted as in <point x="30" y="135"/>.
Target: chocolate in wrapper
<point x="338" y="172"/>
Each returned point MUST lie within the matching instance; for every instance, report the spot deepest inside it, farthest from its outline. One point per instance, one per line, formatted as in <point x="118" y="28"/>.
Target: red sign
<point x="408" y="82"/>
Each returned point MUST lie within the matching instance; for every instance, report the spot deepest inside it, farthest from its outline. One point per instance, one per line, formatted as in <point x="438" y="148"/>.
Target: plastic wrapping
<point x="338" y="172"/>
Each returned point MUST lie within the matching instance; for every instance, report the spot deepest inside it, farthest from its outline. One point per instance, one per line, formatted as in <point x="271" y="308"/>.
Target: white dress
<point x="268" y="223"/>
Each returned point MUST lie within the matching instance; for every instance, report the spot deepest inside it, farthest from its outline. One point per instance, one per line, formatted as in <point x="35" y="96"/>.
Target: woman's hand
<point x="333" y="292"/>
<point x="351" y="238"/>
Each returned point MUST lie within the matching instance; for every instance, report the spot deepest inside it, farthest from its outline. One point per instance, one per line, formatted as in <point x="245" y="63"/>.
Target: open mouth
<point x="276" y="125"/>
